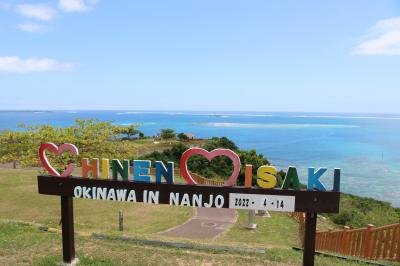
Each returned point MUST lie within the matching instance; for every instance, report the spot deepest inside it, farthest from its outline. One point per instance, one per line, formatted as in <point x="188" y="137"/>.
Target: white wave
<point x="222" y="115"/>
<point x="345" y="117"/>
<point x="289" y="126"/>
<point x="128" y="113"/>
<point x="143" y="112"/>
<point x="173" y="113"/>
<point x="140" y="124"/>
<point x="256" y="115"/>
<point x="235" y="115"/>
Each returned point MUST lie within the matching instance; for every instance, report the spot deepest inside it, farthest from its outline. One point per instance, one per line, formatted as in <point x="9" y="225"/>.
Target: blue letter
<point x="168" y="172"/>
<point x="336" y="180"/>
<point x="313" y="179"/>
<point x="141" y="170"/>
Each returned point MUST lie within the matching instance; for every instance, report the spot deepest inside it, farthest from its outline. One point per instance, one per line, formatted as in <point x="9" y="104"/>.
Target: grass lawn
<point x="277" y="231"/>
<point x="19" y="200"/>
<point x="22" y="244"/>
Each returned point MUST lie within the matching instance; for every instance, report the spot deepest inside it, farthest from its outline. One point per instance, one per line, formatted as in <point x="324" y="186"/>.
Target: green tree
<point x="14" y="146"/>
<point x="167" y="133"/>
<point x="221" y="167"/>
<point x="129" y="131"/>
<point x="182" y="137"/>
<point x="253" y="158"/>
<point x="94" y="139"/>
<point x="223" y="142"/>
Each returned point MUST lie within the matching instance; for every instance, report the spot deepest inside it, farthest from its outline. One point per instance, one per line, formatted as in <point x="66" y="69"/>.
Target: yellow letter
<point x="266" y="176"/>
<point x="105" y="168"/>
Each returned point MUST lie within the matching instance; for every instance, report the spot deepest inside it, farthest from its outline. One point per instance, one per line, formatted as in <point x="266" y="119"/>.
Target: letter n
<point x="167" y="172"/>
<point x="121" y="169"/>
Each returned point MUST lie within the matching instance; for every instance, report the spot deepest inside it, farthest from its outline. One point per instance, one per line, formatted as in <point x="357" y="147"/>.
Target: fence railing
<point x="370" y="242"/>
<point x="205" y="181"/>
<point x="300" y="217"/>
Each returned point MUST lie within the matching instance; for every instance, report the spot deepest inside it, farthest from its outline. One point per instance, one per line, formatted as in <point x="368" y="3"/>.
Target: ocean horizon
<point x="365" y="146"/>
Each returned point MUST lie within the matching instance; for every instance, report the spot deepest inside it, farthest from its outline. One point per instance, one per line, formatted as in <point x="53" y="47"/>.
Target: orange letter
<point x="248" y="175"/>
<point x="92" y="168"/>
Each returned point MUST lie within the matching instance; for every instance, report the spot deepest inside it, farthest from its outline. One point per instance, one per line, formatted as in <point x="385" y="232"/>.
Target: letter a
<point x="291" y="179"/>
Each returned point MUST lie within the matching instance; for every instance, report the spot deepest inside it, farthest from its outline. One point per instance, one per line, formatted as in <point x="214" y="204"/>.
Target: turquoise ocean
<point x="365" y="146"/>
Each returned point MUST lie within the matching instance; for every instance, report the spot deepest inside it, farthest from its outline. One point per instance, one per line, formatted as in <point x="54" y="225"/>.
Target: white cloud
<point x="76" y="5"/>
<point x="382" y="39"/>
<point x="16" y="64"/>
<point x="33" y="27"/>
<point x="38" y="11"/>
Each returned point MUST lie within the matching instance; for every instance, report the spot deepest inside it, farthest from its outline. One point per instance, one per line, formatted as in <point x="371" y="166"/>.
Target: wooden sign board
<point x="192" y="195"/>
<point x="139" y="188"/>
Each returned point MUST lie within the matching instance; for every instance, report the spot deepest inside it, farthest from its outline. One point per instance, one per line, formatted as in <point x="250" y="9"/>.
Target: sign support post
<point x="67" y="221"/>
<point x="309" y="238"/>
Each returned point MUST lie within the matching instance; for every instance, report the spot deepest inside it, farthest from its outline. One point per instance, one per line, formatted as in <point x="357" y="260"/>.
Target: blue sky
<point x="322" y="56"/>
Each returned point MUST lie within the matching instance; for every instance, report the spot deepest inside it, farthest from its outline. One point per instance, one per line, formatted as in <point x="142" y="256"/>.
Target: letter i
<point x="105" y="168"/>
<point x="248" y="175"/>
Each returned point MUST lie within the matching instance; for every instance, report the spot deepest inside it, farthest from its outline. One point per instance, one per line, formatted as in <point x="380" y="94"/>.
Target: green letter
<point x="291" y="179"/>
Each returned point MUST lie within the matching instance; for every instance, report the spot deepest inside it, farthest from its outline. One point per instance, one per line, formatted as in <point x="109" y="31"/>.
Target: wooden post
<point x="309" y="239"/>
<point x="67" y="221"/>
<point x="346" y="240"/>
<point x="368" y="249"/>
<point x="121" y="220"/>
<point x="251" y="224"/>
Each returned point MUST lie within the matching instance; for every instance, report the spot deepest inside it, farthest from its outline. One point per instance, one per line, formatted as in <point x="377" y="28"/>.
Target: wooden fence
<point x="300" y="217"/>
<point x="205" y="181"/>
<point x="371" y="242"/>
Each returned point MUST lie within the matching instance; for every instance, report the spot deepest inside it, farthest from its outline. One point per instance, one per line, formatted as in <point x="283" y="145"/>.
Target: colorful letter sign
<point x="132" y="181"/>
<point x="139" y="170"/>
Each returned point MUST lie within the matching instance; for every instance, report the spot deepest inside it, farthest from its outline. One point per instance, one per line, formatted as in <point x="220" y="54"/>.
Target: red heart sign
<point x="210" y="155"/>
<point x="57" y="151"/>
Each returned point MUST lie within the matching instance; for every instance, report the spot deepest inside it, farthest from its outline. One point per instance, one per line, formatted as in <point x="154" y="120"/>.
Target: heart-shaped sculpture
<point x="210" y="155"/>
<point x="57" y="151"/>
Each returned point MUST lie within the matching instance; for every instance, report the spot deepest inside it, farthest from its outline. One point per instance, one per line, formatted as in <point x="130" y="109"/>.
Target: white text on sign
<point x="261" y="202"/>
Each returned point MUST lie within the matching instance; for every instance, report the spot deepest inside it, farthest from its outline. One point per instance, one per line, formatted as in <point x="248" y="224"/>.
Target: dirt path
<point x="205" y="224"/>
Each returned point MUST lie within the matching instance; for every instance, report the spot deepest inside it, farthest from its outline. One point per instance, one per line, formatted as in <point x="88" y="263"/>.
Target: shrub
<point x="182" y="136"/>
<point x="167" y="133"/>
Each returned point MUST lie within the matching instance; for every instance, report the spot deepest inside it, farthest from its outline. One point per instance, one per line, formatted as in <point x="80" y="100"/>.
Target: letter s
<point x="266" y="176"/>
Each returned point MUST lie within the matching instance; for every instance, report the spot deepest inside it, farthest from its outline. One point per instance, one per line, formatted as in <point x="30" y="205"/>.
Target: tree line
<point x="93" y="138"/>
